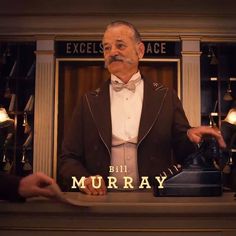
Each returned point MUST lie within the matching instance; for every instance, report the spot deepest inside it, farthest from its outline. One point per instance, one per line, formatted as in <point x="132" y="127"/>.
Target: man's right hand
<point x="90" y="189"/>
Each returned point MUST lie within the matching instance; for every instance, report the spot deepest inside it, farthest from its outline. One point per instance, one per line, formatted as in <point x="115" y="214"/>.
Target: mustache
<point x="117" y="58"/>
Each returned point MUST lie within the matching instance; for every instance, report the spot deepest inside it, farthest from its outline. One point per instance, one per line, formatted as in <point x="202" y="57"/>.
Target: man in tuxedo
<point x="15" y="188"/>
<point x="130" y="124"/>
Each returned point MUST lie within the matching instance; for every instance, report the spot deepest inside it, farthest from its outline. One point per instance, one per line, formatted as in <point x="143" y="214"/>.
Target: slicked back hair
<point x="137" y="36"/>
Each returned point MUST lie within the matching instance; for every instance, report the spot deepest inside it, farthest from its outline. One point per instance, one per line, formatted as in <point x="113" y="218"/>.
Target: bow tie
<point x="131" y="85"/>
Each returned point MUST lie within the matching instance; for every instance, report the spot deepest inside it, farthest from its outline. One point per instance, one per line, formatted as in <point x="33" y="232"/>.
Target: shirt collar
<point x="134" y="77"/>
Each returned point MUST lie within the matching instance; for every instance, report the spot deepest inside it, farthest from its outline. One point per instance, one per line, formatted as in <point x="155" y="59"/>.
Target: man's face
<point x="121" y="52"/>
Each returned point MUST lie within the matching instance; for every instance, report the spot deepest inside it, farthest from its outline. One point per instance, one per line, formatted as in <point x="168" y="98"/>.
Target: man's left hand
<point x="36" y="185"/>
<point x="196" y="134"/>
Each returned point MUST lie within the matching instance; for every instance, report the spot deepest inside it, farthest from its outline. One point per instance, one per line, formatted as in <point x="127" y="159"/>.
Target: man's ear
<point x="140" y="50"/>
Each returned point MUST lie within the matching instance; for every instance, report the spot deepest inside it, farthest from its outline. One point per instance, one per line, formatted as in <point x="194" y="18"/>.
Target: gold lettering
<point x="111" y="169"/>
<point x="117" y="169"/>
<point x="112" y="182"/>
<point x="128" y="182"/>
<point x="79" y="184"/>
<point x="160" y="180"/>
<point x="96" y="179"/>
<point x="144" y="181"/>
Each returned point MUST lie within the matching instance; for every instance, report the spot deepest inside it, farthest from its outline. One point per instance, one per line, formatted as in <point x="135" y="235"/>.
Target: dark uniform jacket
<point x="9" y="185"/>
<point x="162" y="130"/>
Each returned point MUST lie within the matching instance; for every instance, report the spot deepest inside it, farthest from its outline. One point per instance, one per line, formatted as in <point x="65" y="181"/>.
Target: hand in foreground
<point x="90" y="189"/>
<point x="36" y="185"/>
<point x="195" y="135"/>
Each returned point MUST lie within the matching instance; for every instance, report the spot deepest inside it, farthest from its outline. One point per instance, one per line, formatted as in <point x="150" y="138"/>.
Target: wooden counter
<point x="121" y="213"/>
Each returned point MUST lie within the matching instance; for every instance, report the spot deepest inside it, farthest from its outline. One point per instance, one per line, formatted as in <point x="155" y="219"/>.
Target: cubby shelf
<point x="17" y="85"/>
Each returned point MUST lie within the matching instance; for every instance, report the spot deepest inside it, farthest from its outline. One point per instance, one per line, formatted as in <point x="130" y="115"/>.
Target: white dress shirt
<point x="126" y="107"/>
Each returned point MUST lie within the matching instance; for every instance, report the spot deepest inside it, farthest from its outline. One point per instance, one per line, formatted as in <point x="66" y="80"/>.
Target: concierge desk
<point x="120" y="213"/>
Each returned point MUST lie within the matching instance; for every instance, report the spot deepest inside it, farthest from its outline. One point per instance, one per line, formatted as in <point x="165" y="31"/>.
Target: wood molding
<point x="172" y="25"/>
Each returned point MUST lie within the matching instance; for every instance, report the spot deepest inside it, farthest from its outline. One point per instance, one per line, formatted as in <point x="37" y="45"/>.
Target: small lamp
<point x="228" y="126"/>
<point x="212" y="56"/>
<point x="214" y="60"/>
<point x="231" y="116"/>
<point x="228" y="129"/>
<point x="5" y="121"/>
<point x="227" y="95"/>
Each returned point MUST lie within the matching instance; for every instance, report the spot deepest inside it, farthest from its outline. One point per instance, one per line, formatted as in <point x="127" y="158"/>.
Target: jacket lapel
<point x="99" y="105"/>
<point x="153" y="99"/>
